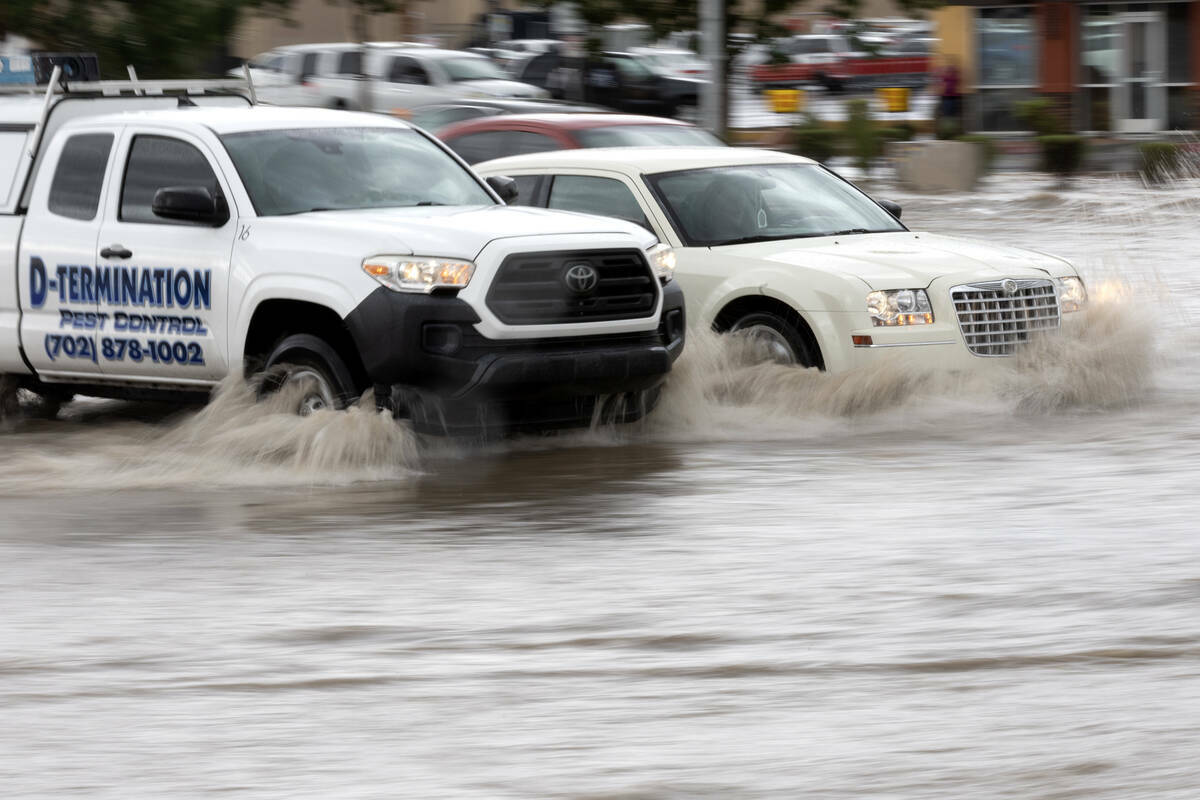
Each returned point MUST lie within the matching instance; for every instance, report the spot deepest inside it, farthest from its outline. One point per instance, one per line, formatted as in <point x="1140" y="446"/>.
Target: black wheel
<point x="309" y="362"/>
<point x="773" y="338"/>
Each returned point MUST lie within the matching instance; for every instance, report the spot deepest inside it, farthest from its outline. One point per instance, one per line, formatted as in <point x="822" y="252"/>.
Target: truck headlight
<point x="662" y="261"/>
<point x="900" y="307"/>
<point x="1072" y="294"/>
<point x="419" y="274"/>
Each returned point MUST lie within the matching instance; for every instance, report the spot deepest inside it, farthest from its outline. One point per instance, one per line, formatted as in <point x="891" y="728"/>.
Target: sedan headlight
<point x="1072" y="294"/>
<point x="900" y="307"/>
<point x="419" y="274"/>
<point x="662" y="261"/>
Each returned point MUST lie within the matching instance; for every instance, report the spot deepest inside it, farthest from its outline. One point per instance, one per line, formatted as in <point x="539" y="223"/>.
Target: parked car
<point x="813" y="270"/>
<point x="620" y="81"/>
<point x="399" y="79"/>
<point x="497" y="136"/>
<point x="439" y="115"/>
<point x="286" y="75"/>
<point x="672" y="62"/>
<point x="830" y="60"/>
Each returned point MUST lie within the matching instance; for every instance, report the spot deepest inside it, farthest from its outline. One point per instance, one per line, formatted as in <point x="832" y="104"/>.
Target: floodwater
<point x="785" y="584"/>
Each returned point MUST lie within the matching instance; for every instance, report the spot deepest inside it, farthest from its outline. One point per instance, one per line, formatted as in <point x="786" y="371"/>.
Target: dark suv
<point x="616" y="80"/>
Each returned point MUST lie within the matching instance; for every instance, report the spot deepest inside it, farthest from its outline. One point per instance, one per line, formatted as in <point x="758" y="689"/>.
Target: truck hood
<point x="906" y="259"/>
<point x="446" y="231"/>
<point x="495" y="87"/>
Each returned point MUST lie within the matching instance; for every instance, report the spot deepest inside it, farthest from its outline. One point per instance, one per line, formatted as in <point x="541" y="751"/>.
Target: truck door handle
<point x="116" y="251"/>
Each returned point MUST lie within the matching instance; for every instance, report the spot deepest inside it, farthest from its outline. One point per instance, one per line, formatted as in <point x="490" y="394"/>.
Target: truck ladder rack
<point x="132" y="88"/>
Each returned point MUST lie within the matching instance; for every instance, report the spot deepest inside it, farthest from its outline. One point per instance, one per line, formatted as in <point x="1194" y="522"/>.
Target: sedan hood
<point x="450" y="231"/>
<point x="906" y="259"/>
<point x="496" y="87"/>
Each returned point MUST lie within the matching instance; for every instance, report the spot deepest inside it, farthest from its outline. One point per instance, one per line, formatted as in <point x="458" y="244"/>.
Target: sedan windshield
<point x="738" y="204"/>
<point x="650" y="135"/>
<point x="471" y="69"/>
<point x="329" y="169"/>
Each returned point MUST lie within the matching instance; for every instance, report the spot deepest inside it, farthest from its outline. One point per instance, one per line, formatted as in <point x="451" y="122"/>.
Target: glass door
<point x="1143" y="102"/>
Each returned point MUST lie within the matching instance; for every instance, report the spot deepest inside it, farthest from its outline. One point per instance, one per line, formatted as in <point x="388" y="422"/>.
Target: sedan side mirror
<point x="890" y="207"/>
<point x="191" y="204"/>
<point x="504" y="186"/>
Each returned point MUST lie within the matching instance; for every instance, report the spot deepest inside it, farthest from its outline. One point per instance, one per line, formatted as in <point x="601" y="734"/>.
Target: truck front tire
<point x="308" y="360"/>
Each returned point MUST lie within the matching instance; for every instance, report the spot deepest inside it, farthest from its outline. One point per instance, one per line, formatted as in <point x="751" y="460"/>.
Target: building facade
<point x="1107" y="67"/>
<point x="447" y="22"/>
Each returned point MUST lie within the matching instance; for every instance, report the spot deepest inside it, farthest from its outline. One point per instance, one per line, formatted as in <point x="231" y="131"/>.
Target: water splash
<point x="235" y="440"/>
<point x="1102" y="359"/>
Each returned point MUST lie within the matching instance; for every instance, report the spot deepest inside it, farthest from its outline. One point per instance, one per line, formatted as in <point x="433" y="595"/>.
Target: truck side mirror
<point x="504" y="186"/>
<point x="191" y="204"/>
<point x="890" y="207"/>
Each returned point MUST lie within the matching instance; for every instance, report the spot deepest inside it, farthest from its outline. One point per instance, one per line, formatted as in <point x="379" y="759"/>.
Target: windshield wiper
<point x="762" y="237"/>
<point x="857" y="230"/>
<point x="430" y="203"/>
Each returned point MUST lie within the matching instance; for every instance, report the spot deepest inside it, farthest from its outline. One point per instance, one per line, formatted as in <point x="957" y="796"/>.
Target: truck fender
<point x="305" y="288"/>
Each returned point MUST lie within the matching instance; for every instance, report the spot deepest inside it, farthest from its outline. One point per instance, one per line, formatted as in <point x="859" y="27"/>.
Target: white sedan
<point x="812" y="269"/>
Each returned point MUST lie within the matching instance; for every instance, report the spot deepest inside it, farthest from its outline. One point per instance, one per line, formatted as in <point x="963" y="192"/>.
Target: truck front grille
<point x="995" y="317"/>
<point x="536" y="289"/>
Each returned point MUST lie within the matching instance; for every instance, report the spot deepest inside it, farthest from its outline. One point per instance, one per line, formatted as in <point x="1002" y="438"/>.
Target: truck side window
<point x="527" y="186"/>
<point x="407" y="70"/>
<point x="350" y="63"/>
<point x="79" y="177"/>
<point x="604" y="196"/>
<point x="156" y="162"/>
<point x="308" y="66"/>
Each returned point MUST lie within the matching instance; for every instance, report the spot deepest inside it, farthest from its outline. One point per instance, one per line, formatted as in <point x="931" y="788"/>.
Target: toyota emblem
<point x="1009" y="286"/>
<point x="581" y="278"/>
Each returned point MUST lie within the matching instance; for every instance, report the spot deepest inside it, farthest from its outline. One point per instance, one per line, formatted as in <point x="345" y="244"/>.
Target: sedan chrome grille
<point x="997" y="316"/>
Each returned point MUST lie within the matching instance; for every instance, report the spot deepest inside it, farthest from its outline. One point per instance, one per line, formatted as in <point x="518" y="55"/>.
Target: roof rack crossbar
<point x="111" y="88"/>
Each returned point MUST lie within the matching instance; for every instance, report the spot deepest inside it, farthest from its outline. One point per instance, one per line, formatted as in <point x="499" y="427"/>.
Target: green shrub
<point x="947" y="127"/>
<point x="1039" y="116"/>
<point x="1159" y="160"/>
<point x="1062" y="154"/>
<point x="861" y="138"/>
<point x="896" y="133"/>
<point x="987" y="143"/>
<point x="814" y="140"/>
<point x="819" y="144"/>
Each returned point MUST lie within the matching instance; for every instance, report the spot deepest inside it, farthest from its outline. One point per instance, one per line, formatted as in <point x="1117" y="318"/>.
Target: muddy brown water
<point x="903" y="584"/>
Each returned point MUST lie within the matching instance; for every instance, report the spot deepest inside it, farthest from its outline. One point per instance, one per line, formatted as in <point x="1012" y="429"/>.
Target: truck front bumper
<point x="424" y="354"/>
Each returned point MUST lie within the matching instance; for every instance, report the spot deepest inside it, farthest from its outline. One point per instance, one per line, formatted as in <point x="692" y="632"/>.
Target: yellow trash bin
<point x="785" y="101"/>
<point x="893" y="98"/>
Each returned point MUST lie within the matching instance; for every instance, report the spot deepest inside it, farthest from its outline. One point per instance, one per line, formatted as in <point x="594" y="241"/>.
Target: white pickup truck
<point x="153" y="252"/>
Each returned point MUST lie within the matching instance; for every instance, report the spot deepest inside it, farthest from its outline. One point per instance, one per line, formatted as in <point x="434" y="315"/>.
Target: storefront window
<point x="1101" y="45"/>
<point x="1179" y="67"/>
<point x="997" y="106"/>
<point x="1007" y="48"/>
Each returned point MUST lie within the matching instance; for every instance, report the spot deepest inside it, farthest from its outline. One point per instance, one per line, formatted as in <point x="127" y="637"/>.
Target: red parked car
<point x="516" y="134"/>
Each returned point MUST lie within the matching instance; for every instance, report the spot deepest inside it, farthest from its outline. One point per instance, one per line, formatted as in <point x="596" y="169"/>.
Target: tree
<point x="361" y="11"/>
<point x="161" y="39"/>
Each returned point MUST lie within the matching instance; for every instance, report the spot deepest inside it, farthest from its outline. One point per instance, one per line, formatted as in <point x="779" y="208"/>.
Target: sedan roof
<point x="643" y="160"/>
<point x="559" y="121"/>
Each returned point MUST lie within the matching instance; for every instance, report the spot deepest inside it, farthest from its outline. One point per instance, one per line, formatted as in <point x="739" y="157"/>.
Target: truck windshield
<point x="329" y="169"/>
<point x="737" y="204"/>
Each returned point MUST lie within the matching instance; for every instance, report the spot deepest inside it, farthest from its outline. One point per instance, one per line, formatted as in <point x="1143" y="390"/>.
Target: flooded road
<point x="784" y="584"/>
